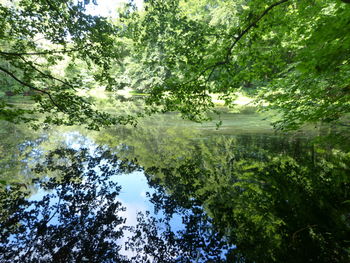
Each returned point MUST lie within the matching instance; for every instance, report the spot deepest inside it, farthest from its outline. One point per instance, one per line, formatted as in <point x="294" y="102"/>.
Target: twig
<point x="250" y="26"/>
<point x="300" y="230"/>
<point x="47" y="52"/>
<point x="49" y="76"/>
<point x="32" y="88"/>
<point x="234" y="43"/>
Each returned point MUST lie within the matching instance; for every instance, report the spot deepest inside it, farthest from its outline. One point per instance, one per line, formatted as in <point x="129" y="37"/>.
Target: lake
<point x="171" y="190"/>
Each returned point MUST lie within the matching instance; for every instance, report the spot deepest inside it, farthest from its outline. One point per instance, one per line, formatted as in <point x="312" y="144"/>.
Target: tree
<point x="293" y="54"/>
<point x="37" y="38"/>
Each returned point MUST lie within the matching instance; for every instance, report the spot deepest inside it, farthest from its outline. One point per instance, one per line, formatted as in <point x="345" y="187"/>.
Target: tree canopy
<point x="292" y="55"/>
<point x="36" y="39"/>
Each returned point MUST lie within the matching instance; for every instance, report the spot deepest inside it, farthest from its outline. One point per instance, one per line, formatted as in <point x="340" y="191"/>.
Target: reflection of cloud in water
<point x="134" y="187"/>
<point x="77" y="141"/>
<point x="130" y="214"/>
<point x="143" y="194"/>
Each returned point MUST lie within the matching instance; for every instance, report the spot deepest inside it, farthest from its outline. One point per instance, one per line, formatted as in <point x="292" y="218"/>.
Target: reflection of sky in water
<point x="134" y="187"/>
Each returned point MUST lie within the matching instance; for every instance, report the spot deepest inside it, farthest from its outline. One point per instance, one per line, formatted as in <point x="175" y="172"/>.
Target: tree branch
<point x="250" y="26"/>
<point x="236" y="40"/>
<point x="49" y="76"/>
<point x="300" y="230"/>
<point x="32" y="88"/>
<point x="47" y="52"/>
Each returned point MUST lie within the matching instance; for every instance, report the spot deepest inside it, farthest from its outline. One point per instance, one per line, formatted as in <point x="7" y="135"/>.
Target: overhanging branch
<point x="12" y="75"/>
<point x="49" y="76"/>
<point x="242" y="33"/>
<point x="46" y="52"/>
<point x="250" y="26"/>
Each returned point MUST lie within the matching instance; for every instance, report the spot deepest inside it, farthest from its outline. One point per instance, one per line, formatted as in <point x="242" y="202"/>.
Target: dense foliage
<point x="292" y="55"/>
<point x="49" y="51"/>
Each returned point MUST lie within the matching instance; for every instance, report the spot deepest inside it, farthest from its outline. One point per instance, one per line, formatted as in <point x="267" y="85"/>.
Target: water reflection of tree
<point x="168" y="146"/>
<point x="155" y="240"/>
<point x="16" y="145"/>
<point x="278" y="199"/>
<point x="275" y="208"/>
<point x="77" y="219"/>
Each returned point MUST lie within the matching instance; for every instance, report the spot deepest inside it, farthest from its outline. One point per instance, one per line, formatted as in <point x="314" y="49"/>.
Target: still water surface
<point x="174" y="191"/>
